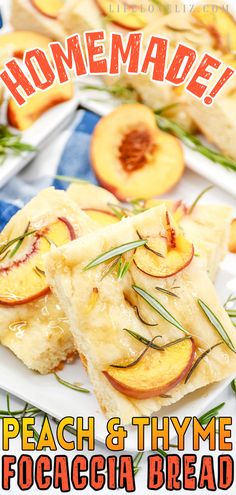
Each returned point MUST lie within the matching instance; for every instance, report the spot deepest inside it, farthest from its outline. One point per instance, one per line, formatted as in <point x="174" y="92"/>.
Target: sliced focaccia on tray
<point x="207" y="226"/>
<point x="32" y="322"/>
<point x="142" y="312"/>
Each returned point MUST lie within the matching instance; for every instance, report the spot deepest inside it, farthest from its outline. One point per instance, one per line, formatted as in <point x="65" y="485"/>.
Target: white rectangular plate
<point x="58" y="401"/>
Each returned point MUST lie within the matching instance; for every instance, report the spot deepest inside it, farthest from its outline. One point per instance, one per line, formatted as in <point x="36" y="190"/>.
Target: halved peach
<point x="232" y="240"/>
<point x="220" y="24"/>
<point x="165" y="254"/>
<point x="131" y="157"/>
<point x="20" y="41"/>
<point x="49" y="8"/>
<point x="22" y="276"/>
<point x="125" y="15"/>
<point x="103" y="218"/>
<point x="23" y="117"/>
<point x="156" y="373"/>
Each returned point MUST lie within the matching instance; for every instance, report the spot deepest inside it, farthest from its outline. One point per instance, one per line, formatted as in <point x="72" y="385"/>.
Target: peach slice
<point x="103" y="218"/>
<point x="23" y="117"/>
<point x="49" y="8"/>
<point x="22" y="276"/>
<point x="232" y="240"/>
<point x="20" y="41"/>
<point x="156" y="373"/>
<point x="164" y="255"/>
<point x="123" y="14"/>
<point x="131" y="157"/>
<point x="220" y="24"/>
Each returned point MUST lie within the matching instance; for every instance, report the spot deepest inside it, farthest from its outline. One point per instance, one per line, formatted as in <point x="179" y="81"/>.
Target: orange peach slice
<point x="232" y="241"/>
<point x="23" y="117"/>
<point x="123" y="14"/>
<point x="156" y="373"/>
<point x="220" y="24"/>
<point x="49" y="8"/>
<point x="131" y="157"/>
<point x="22" y="276"/>
<point x="20" y="41"/>
<point x="103" y="218"/>
<point x="166" y="254"/>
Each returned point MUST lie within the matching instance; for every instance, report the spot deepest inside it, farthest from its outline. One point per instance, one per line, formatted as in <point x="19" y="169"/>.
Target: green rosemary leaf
<point x="231" y="313"/>
<point x="6" y="246"/>
<point x="162" y="452"/>
<point x="200" y="358"/>
<point x="137" y="360"/>
<point x="110" y="267"/>
<point x="142" y="319"/>
<point x="233" y="385"/>
<point x="117" y="210"/>
<point x="168" y="125"/>
<point x="206" y="418"/>
<point x="18" y="245"/>
<point x="217" y="325"/>
<point x="166" y="108"/>
<point x="136" y="462"/>
<point x="150" y="249"/>
<point x="123" y="268"/>
<point x="155" y="304"/>
<point x="199" y="197"/>
<point x="165" y="291"/>
<point x="112" y="253"/>
<point x="70" y="385"/>
<point x="10" y="142"/>
<point x="124" y="92"/>
<point x="143" y="340"/>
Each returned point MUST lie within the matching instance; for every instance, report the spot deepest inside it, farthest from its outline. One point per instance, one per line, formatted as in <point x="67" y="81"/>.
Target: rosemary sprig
<point x="138" y="359"/>
<point x="136" y="462"/>
<point x="168" y="125"/>
<point x="149" y="343"/>
<point x="113" y="253"/>
<point x="206" y="418"/>
<point x="110" y="267"/>
<point x="123" y="268"/>
<point x="198" y="361"/>
<point x="118" y="210"/>
<point x="8" y="245"/>
<point x="233" y="385"/>
<point x="18" y="245"/>
<point x="155" y="304"/>
<point x="167" y="292"/>
<point x="143" y="340"/>
<point x="217" y="325"/>
<point x="10" y="142"/>
<point x="150" y="249"/>
<point x="70" y="385"/>
<point x="198" y="198"/>
<point x="142" y="319"/>
<point x="125" y="93"/>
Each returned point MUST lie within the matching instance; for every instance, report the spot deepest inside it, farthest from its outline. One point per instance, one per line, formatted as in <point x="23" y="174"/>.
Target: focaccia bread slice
<point x="100" y="306"/>
<point x="37" y="331"/>
<point x="207" y="226"/>
<point x="25" y="16"/>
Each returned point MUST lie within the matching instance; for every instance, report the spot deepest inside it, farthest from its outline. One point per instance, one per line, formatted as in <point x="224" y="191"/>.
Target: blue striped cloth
<point x="74" y="162"/>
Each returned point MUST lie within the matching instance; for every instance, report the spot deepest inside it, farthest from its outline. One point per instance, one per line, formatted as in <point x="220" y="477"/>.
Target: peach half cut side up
<point x="20" y="41"/>
<point x="156" y="373"/>
<point x="24" y="117"/>
<point x="22" y="277"/>
<point x="131" y="157"/>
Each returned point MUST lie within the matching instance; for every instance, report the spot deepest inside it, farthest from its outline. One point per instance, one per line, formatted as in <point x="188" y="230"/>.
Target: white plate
<point x="44" y="129"/>
<point x="58" y="401"/>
